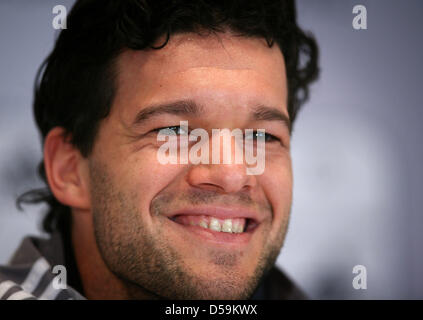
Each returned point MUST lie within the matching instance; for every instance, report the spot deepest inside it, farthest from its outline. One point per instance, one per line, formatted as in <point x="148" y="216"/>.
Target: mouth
<point x="218" y="225"/>
<point x="229" y="225"/>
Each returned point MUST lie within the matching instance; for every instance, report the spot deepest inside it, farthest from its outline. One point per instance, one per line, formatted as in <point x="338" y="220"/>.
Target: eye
<point x="256" y="134"/>
<point x="177" y="130"/>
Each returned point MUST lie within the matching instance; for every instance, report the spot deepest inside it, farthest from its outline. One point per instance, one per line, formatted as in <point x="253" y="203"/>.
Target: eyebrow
<point x="266" y="113"/>
<point x="191" y="108"/>
<point x="182" y="107"/>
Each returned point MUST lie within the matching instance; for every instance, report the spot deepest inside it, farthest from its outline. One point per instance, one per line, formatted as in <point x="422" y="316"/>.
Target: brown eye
<point x="256" y="134"/>
<point x="171" y="130"/>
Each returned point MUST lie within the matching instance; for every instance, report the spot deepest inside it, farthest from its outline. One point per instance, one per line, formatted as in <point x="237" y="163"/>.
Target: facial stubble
<point x="146" y="262"/>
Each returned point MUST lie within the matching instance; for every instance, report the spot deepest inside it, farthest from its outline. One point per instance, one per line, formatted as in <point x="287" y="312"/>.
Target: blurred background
<point x="356" y="147"/>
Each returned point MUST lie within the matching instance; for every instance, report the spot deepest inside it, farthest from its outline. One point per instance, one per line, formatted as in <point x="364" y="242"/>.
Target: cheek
<point x="277" y="185"/>
<point x="142" y="176"/>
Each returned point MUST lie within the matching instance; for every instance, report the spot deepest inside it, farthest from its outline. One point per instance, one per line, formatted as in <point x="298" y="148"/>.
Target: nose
<point x="225" y="176"/>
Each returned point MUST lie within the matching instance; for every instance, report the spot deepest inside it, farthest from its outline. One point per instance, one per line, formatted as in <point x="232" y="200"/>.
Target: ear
<point x="66" y="170"/>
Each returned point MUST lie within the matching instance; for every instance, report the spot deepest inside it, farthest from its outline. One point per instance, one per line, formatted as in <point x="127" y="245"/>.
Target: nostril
<point x="222" y="178"/>
<point x="210" y="186"/>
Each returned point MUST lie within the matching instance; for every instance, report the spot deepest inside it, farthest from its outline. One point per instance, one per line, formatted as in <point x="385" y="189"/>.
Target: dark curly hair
<point x="75" y="85"/>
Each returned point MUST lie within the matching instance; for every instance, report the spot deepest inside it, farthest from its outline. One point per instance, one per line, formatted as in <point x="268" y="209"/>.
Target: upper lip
<point x="219" y="212"/>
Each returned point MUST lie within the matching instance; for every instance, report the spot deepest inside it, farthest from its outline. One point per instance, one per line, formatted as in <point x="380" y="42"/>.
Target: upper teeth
<point x="236" y="225"/>
<point x="228" y="225"/>
<point x="215" y="225"/>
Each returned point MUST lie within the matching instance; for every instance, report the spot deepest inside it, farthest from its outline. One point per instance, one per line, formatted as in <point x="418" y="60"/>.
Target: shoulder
<point x="30" y="276"/>
<point x="18" y="282"/>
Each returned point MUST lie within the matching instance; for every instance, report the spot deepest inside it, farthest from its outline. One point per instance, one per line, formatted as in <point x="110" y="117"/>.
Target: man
<point x="126" y="226"/>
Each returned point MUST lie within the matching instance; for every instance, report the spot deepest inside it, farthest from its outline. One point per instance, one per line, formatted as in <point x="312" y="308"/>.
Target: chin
<point x="231" y="286"/>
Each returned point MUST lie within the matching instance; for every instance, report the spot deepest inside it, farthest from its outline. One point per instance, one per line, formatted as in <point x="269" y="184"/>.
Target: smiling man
<point x="126" y="226"/>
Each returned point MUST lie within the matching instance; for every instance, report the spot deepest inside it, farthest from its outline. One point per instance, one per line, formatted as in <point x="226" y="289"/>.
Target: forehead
<point x="225" y="51"/>
<point x="212" y="67"/>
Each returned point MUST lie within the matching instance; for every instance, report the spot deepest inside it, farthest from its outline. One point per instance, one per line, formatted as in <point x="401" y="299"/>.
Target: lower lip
<point x="223" y="238"/>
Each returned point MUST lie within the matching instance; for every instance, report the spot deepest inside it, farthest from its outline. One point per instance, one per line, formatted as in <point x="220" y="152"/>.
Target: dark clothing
<point x="32" y="274"/>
